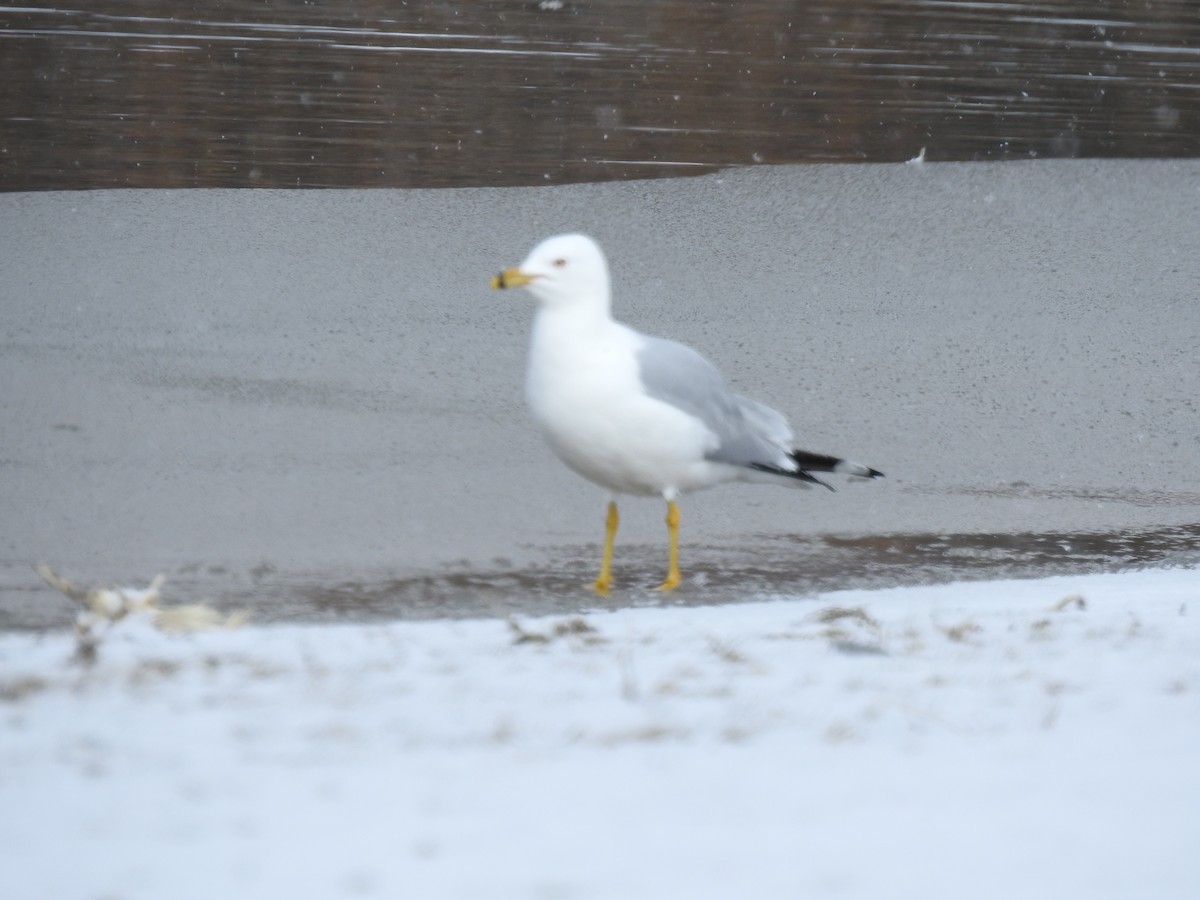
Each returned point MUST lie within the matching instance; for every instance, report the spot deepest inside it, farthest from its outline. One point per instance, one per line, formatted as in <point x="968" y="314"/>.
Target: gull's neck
<point x="579" y="315"/>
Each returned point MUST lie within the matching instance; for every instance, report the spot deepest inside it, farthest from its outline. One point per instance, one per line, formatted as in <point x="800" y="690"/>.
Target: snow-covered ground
<point x="1004" y="739"/>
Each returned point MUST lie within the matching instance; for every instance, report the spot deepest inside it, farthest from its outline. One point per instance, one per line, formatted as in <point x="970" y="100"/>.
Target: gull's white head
<point x="565" y="269"/>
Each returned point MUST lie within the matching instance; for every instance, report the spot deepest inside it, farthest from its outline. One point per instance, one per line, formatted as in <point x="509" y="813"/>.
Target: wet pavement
<point x="789" y="565"/>
<point x="775" y="566"/>
<point x="308" y="403"/>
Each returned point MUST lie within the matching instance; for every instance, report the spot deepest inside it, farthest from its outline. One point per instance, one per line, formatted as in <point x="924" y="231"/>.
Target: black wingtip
<point x="807" y="463"/>
<point x="820" y="462"/>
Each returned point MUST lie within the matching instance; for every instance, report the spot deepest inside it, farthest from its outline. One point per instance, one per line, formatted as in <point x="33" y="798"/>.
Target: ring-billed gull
<point x="637" y="414"/>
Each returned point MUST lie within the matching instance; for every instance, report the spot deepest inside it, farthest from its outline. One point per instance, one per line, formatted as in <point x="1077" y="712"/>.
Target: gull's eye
<point x="559" y="263"/>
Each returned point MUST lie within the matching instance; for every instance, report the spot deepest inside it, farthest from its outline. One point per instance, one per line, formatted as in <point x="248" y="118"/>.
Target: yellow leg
<point x="673" y="576"/>
<point x="603" y="583"/>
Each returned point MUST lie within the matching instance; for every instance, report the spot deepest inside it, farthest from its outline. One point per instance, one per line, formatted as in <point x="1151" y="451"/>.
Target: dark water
<point x="423" y="94"/>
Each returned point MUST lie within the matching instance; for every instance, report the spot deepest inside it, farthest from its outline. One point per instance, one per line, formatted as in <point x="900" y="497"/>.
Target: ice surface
<point x="995" y="740"/>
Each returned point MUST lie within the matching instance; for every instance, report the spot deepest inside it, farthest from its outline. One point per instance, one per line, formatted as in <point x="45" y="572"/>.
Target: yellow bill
<point x="510" y="278"/>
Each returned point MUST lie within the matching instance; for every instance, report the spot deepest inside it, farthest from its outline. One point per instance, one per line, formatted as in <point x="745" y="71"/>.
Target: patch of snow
<point x="1019" y="738"/>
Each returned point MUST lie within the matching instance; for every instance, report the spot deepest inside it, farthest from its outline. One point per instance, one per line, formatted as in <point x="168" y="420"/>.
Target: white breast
<point x="585" y="394"/>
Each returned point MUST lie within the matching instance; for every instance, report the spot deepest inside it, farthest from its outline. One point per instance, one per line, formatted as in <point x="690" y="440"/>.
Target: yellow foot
<point x="602" y="586"/>
<point x="672" y="582"/>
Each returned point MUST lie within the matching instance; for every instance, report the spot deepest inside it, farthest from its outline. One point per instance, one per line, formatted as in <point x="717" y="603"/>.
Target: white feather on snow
<point x="981" y="740"/>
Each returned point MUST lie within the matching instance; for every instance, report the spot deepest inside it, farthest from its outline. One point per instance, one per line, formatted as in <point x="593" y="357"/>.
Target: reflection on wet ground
<point x="795" y="566"/>
<point x="502" y="92"/>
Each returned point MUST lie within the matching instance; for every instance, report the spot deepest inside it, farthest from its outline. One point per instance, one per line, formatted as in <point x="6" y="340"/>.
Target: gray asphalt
<point x="309" y="403"/>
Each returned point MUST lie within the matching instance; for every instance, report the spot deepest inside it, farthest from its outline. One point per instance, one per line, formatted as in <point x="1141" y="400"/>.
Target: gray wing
<point x="748" y="432"/>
